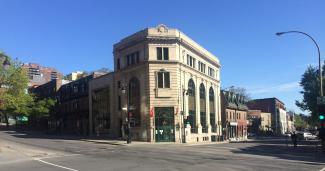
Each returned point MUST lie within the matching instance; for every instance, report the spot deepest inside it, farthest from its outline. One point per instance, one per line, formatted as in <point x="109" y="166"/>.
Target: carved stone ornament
<point x="162" y="28"/>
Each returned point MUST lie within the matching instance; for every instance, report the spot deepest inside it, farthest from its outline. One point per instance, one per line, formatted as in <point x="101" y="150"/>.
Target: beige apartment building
<point x="259" y="122"/>
<point x="266" y="121"/>
<point x="159" y="73"/>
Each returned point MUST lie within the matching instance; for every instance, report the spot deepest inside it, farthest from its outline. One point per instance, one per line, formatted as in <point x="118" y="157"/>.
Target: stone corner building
<point x="164" y="73"/>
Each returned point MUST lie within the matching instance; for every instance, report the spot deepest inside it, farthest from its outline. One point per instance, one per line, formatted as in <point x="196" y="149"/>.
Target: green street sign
<point x="24" y="119"/>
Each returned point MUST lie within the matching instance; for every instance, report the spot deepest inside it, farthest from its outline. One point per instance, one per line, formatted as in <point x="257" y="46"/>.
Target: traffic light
<point x="321" y="117"/>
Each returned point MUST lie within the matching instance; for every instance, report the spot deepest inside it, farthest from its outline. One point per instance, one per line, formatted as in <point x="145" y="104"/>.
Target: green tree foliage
<point x="310" y="83"/>
<point x="14" y="83"/>
<point x="301" y="122"/>
<point x="14" y="97"/>
<point x="42" y="107"/>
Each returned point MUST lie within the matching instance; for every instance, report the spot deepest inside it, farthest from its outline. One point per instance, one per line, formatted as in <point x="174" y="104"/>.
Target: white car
<point x="287" y="134"/>
<point x="309" y="136"/>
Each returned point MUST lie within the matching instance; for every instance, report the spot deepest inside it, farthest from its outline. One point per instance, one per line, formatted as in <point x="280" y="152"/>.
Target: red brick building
<point x="233" y="115"/>
<point x="277" y="110"/>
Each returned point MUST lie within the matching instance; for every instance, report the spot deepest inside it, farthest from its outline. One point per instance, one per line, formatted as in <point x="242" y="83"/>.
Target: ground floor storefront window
<point x="164" y="124"/>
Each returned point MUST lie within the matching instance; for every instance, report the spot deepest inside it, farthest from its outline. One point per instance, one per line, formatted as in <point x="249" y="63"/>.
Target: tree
<point x="241" y="91"/>
<point x="301" y="122"/>
<point x="311" y="87"/>
<point x="14" y="97"/>
<point x="42" y="107"/>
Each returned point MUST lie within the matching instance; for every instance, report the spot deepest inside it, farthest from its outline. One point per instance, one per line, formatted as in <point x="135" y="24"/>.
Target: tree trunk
<point x="6" y="119"/>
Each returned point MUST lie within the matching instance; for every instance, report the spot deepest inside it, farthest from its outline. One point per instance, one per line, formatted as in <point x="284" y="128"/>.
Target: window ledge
<point x="163" y="92"/>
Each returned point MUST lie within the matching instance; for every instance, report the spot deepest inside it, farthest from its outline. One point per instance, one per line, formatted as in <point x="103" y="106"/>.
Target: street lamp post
<point x="320" y="69"/>
<point x="126" y="96"/>
<point x="319" y="63"/>
<point x="185" y="92"/>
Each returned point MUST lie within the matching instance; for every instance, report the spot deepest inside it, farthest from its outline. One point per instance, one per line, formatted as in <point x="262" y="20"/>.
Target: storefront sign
<point x="233" y="123"/>
<point x="151" y="112"/>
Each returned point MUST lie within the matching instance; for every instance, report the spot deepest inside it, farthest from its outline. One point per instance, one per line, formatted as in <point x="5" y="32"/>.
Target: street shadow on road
<point x="45" y="135"/>
<point x="308" y="152"/>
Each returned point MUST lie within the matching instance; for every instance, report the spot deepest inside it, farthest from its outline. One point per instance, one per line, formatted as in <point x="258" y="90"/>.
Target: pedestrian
<point x="294" y="139"/>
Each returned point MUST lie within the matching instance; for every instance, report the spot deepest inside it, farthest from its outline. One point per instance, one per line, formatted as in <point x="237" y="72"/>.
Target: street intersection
<point x="40" y="152"/>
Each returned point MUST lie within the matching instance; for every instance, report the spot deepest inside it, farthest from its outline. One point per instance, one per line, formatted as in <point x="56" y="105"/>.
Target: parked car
<point x="308" y="136"/>
<point x="287" y="134"/>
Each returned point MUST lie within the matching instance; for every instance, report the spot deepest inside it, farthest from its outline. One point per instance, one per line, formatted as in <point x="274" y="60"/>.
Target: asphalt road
<point x="38" y="152"/>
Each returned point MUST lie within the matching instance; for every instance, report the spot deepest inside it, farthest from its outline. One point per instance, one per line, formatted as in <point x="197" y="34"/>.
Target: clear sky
<point x="75" y="35"/>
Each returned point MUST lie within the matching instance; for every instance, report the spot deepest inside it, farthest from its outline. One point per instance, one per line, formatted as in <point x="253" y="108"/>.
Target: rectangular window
<point x="75" y="89"/>
<point x="137" y="56"/>
<point x="119" y="103"/>
<point x="188" y="59"/>
<point x="159" y="53"/>
<point x="211" y="72"/>
<point x="166" y="80"/>
<point x="128" y="60"/>
<point x="160" y="80"/>
<point x="191" y="61"/>
<point x="162" y="53"/>
<point x="118" y="64"/>
<point x="132" y="58"/>
<point x="166" y="54"/>
<point x="119" y="84"/>
<point x="201" y="66"/>
<point x="163" y="80"/>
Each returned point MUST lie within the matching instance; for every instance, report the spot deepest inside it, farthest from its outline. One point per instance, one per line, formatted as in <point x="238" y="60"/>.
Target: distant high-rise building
<point x="39" y="75"/>
<point x="75" y="75"/>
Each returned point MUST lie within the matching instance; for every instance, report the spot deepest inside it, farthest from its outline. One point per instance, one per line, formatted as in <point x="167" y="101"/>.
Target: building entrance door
<point x="164" y="124"/>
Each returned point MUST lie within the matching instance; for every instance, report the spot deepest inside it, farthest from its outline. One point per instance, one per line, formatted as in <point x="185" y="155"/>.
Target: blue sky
<point x="75" y="35"/>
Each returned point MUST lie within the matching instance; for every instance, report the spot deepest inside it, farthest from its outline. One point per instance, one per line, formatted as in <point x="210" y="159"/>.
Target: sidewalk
<point x="124" y="143"/>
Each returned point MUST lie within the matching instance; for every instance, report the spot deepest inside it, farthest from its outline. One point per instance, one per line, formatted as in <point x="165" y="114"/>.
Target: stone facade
<point x="165" y="74"/>
<point x="266" y="121"/>
<point x="291" y="121"/>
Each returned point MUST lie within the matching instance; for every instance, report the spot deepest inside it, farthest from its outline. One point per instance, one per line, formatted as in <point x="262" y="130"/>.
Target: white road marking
<point x="322" y="169"/>
<point x="56" y="156"/>
<point x="55" y="165"/>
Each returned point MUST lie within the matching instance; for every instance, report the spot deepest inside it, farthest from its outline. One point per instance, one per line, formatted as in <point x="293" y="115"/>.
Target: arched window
<point x="203" y="116"/>
<point x="212" y="110"/>
<point x="134" y="101"/>
<point x="191" y="105"/>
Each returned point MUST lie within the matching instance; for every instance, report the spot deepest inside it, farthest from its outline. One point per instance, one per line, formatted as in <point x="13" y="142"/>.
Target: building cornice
<point x="166" y="40"/>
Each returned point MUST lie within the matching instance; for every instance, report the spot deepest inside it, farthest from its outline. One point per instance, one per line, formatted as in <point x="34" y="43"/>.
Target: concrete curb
<point x="123" y="143"/>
